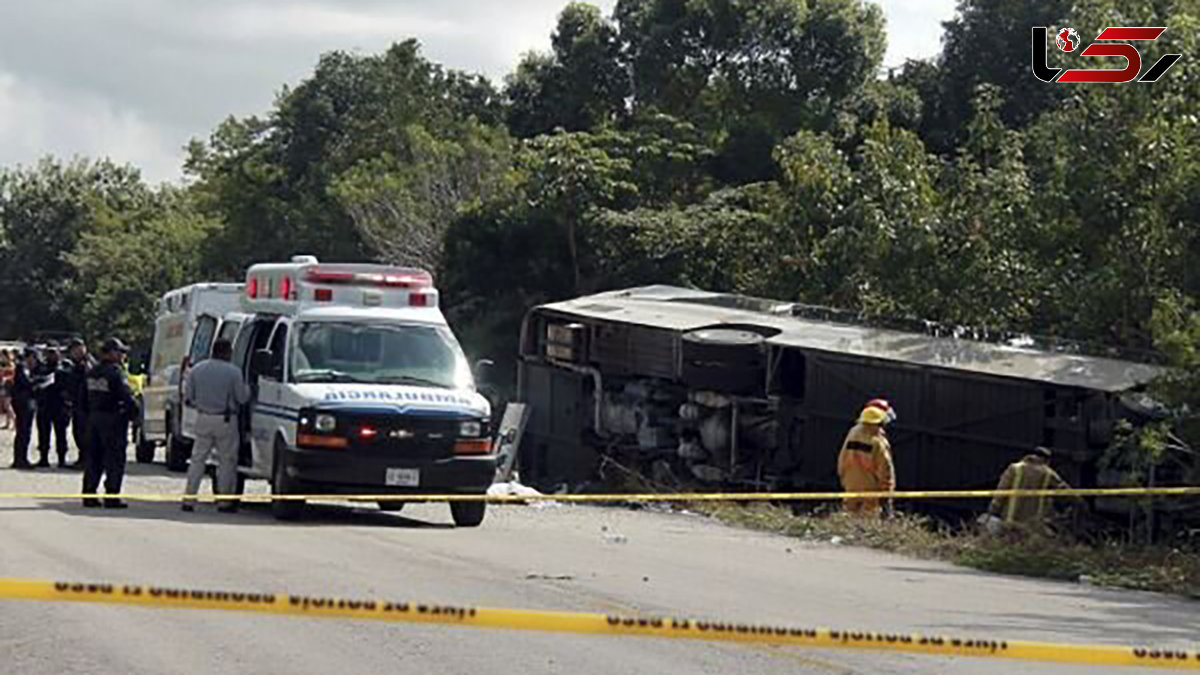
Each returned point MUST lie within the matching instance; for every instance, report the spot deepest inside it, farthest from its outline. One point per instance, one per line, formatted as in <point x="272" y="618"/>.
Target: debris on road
<point x="550" y="577"/>
<point x="512" y="489"/>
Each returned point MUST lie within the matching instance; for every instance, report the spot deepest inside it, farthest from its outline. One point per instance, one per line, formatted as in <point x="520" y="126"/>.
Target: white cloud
<point x="914" y="28"/>
<point x="309" y="21"/>
<point x="134" y="80"/>
<point x="35" y="123"/>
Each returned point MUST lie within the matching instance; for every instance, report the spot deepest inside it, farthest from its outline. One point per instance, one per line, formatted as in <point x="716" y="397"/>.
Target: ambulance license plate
<point x="403" y="477"/>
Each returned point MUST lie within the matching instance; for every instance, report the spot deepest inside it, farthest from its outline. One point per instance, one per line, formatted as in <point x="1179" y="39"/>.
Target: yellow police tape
<point x="1190" y="491"/>
<point x="592" y="623"/>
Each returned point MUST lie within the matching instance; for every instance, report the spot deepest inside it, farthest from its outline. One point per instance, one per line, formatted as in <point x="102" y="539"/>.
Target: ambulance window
<point x="262" y="333"/>
<point x="229" y="330"/>
<point x="256" y="334"/>
<point x="278" y="350"/>
<point x="241" y="351"/>
<point x="206" y="327"/>
<point x="379" y="353"/>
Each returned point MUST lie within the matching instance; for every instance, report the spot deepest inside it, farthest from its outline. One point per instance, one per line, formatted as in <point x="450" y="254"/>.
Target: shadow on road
<point x="1128" y="616"/>
<point x="315" y="515"/>
<point x="141" y="469"/>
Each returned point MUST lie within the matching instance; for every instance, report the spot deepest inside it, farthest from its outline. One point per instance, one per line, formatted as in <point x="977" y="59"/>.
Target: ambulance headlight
<point x="325" y="422"/>
<point x="471" y="428"/>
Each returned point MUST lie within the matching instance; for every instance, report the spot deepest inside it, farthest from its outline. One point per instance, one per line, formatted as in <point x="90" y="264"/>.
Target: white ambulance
<point x="185" y="316"/>
<point x="359" y="387"/>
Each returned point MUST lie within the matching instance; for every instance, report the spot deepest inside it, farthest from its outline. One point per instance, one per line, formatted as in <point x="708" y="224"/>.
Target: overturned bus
<point x="686" y="386"/>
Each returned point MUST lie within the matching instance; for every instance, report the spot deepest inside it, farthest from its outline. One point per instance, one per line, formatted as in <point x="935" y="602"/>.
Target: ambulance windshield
<point x="379" y="353"/>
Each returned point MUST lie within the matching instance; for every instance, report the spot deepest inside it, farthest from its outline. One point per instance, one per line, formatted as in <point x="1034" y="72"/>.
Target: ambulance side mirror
<point x="260" y="363"/>
<point x="484" y="372"/>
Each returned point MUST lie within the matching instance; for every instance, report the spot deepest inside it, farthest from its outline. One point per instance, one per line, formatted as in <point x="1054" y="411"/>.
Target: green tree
<point x="401" y="206"/>
<point x="580" y="85"/>
<point x="273" y="181"/>
<point x="44" y="212"/>
<point x="1115" y="172"/>
<point x="129" y="258"/>
<point x="988" y="43"/>
<point x="718" y="243"/>
<point x="749" y="71"/>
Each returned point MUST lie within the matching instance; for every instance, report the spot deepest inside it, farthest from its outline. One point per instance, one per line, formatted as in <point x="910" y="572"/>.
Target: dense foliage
<point x="742" y="145"/>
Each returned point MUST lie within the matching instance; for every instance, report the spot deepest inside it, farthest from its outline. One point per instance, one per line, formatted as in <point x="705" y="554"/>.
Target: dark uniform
<point x="109" y="405"/>
<point x="51" y="411"/>
<point x="23" y="410"/>
<point x="76" y="371"/>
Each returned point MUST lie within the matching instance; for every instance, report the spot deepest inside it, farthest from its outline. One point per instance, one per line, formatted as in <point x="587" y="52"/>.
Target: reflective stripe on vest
<point x="1010" y="512"/>
<point x="1042" y="500"/>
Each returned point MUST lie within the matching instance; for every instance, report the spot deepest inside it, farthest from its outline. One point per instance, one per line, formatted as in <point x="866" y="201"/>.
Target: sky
<point x="135" y="80"/>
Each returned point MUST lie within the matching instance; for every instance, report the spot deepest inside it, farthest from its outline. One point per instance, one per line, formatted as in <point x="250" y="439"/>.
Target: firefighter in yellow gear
<point x="865" y="462"/>
<point x="1033" y="472"/>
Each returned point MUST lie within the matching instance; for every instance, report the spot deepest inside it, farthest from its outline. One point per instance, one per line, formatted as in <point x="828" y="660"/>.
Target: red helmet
<point x="883" y="405"/>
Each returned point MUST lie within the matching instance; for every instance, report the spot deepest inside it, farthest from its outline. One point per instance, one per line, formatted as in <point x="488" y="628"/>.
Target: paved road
<point x="609" y="560"/>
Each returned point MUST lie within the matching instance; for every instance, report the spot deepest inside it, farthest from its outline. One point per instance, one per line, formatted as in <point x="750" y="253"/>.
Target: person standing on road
<point x="1032" y="472"/>
<point x="109" y="404"/>
<point x="216" y="389"/>
<point x="77" y="368"/>
<point x="23" y="408"/>
<point x="865" y="461"/>
<point x="51" y="409"/>
<point x="6" y="375"/>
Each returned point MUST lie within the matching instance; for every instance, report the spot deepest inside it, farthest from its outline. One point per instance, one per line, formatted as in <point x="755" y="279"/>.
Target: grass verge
<point x="1112" y="564"/>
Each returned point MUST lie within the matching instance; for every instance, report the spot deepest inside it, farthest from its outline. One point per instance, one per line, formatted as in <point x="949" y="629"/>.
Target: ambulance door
<point x="202" y="341"/>
<point x="254" y="336"/>
<point x="273" y="416"/>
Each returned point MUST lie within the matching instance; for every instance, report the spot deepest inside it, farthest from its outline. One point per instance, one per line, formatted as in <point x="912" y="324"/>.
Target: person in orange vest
<point x="865" y="462"/>
<point x="1033" y="472"/>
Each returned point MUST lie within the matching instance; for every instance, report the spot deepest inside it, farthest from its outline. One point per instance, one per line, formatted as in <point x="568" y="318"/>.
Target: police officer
<point x="51" y="408"/>
<point x="109" y="404"/>
<point x="81" y="362"/>
<point x="23" y="407"/>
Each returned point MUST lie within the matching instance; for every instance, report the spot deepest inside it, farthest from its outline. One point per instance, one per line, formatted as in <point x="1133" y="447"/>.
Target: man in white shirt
<point x="216" y="389"/>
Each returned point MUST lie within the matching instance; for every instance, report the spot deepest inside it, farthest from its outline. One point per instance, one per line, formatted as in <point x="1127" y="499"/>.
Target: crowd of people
<point x="90" y="397"/>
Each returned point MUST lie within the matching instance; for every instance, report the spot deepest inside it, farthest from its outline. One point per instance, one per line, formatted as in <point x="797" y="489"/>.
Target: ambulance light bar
<point x="398" y="277"/>
<point x="354" y="284"/>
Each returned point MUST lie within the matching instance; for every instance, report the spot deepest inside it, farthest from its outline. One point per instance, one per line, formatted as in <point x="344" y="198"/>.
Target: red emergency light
<point x="285" y="288"/>
<point x="252" y="288"/>
<point x="391" y="277"/>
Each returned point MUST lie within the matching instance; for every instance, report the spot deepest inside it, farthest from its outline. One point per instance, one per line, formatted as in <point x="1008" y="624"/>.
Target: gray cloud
<point x="136" y="79"/>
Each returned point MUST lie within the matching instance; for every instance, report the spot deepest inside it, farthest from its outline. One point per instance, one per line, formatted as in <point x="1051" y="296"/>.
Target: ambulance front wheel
<point x="283" y="509"/>
<point x="468" y="514"/>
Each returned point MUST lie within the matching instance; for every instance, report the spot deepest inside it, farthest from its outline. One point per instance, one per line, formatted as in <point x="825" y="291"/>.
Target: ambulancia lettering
<point x="394" y="395"/>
